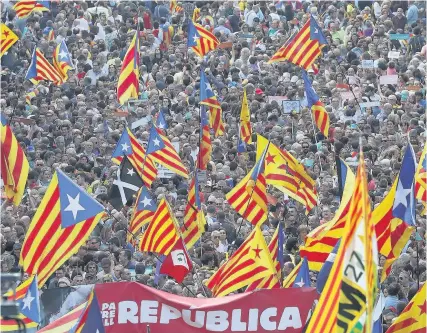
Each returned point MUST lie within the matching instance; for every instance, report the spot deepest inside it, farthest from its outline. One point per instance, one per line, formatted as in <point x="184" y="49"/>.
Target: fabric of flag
<point x="8" y="38"/>
<point x="161" y="150"/>
<point x="208" y="98"/>
<point x="303" y="277"/>
<point x="346" y="297"/>
<point x="320" y="115"/>
<point x="177" y="263"/>
<point x="161" y="234"/>
<point x="249" y="196"/>
<point x="251" y="262"/>
<point x="201" y="40"/>
<point x="205" y="149"/>
<point x="287" y="174"/>
<point x="41" y="69"/>
<point x="196" y="14"/>
<point x="377" y="327"/>
<point x="304" y="47"/>
<point x="288" y="282"/>
<point x="320" y="242"/>
<point x="24" y="8"/>
<point x="194" y="218"/>
<point x="29" y="305"/>
<point x="63" y="221"/>
<point x="394" y="217"/>
<point x="324" y="272"/>
<point x="413" y="317"/>
<point x="143" y="211"/>
<point x="421" y="178"/>
<point x="30" y="95"/>
<point x="125" y="186"/>
<point x="14" y="166"/>
<point x="161" y="121"/>
<point x="128" y="83"/>
<point x="49" y="34"/>
<point x="129" y="146"/>
<point x="90" y="320"/>
<point x="314" y="68"/>
<point x="66" y="322"/>
<point x="245" y="121"/>
<point x="276" y="251"/>
<point x="62" y="60"/>
<point x="175" y="8"/>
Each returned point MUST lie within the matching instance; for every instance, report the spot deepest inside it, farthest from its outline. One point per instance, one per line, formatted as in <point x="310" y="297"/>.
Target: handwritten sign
<point x="291" y="107"/>
<point x="369" y="104"/>
<point x="367" y="64"/>
<point x="389" y="79"/>
<point x="399" y="36"/>
<point x="393" y="54"/>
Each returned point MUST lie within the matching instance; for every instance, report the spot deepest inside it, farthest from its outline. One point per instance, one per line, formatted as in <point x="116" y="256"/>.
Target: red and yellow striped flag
<point x="200" y="39"/>
<point x="24" y="8"/>
<point x="143" y="212"/>
<point x="421" y="177"/>
<point x="14" y="166"/>
<point x="41" y="69"/>
<point x="205" y="149"/>
<point x="128" y="83"/>
<point x="175" y="8"/>
<point x="196" y="14"/>
<point x="8" y="38"/>
<point x="251" y="262"/>
<point x="194" y="219"/>
<point x="67" y="322"/>
<point x="357" y="253"/>
<point x="245" y="121"/>
<point x="161" y="234"/>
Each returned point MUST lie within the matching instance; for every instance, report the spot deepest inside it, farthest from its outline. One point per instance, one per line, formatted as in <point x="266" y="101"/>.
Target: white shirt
<point x="81" y="23"/>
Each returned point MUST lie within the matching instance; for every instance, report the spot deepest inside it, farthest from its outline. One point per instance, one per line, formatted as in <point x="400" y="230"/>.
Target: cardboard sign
<point x="291" y="107"/>
<point x="393" y="54"/>
<point x="226" y="45"/>
<point x="369" y="104"/>
<point x="367" y="64"/>
<point x="389" y="79"/>
<point x="399" y="36"/>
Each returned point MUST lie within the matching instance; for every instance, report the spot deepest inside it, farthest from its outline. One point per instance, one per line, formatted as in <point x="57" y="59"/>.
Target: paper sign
<point x="276" y="98"/>
<point x="351" y="80"/>
<point x="163" y="172"/>
<point x="347" y="95"/>
<point x="367" y="64"/>
<point x="343" y="86"/>
<point x="202" y="176"/>
<point x="389" y="79"/>
<point x="291" y="107"/>
<point x="141" y="122"/>
<point x="226" y="45"/>
<point x="369" y="104"/>
<point x="399" y="36"/>
<point x="393" y="54"/>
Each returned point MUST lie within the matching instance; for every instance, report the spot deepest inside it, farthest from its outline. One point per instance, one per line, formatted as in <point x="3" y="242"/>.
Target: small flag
<point x="62" y="60"/>
<point x="128" y="83"/>
<point x="303" y="277"/>
<point x="161" y="121"/>
<point x="8" y="38"/>
<point x="30" y="304"/>
<point x="24" y="8"/>
<point x="41" y="69"/>
<point x="90" y="320"/>
<point x="177" y="264"/>
<point x="201" y="40"/>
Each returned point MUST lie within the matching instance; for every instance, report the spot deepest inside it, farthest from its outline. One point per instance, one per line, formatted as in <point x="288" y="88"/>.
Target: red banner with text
<point x="132" y="307"/>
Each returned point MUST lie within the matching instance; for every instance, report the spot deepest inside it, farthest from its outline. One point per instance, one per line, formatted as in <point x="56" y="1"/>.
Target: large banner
<point x="133" y="307"/>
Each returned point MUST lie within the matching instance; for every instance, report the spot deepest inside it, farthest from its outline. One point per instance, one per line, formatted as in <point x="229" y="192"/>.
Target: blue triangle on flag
<point x="93" y="322"/>
<point x="161" y="121"/>
<point x="32" y="69"/>
<point x="29" y="306"/>
<point x="76" y="205"/>
<point x="155" y="142"/>
<point x="193" y="34"/>
<point x="316" y="32"/>
<point x="303" y="277"/>
<point x="124" y="146"/>
<point x="146" y="202"/>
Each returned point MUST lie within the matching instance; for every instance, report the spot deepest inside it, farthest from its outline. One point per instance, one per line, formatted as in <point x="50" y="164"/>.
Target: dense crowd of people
<point x="75" y="126"/>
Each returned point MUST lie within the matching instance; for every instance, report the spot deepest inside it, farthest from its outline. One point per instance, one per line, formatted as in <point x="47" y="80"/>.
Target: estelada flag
<point x="177" y="264"/>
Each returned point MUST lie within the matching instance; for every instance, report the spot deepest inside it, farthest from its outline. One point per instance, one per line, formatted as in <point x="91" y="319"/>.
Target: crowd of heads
<point x="75" y="126"/>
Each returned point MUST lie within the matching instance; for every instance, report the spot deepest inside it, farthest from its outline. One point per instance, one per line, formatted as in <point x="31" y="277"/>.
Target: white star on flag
<point x="146" y="201"/>
<point x="156" y="142"/>
<point x="130" y="172"/>
<point x="161" y="125"/>
<point x="401" y="194"/>
<point x="195" y="38"/>
<point x="74" y="205"/>
<point x="63" y="54"/>
<point x="125" y="146"/>
<point x="208" y="86"/>
<point x="28" y="300"/>
<point x="301" y="283"/>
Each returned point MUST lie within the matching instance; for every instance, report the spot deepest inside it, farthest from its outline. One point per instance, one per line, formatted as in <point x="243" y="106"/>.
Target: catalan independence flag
<point x="63" y="221"/>
<point x="66" y="322"/>
<point x="251" y="262"/>
<point x="24" y="8"/>
<point x="245" y="121"/>
<point x="174" y="8"/>
<point x="162" y="233"/>
<point x="201" y="40"/>
<point x="143" y="211"/>
<point x="14" y="165"/>
<point x="205" y="149"/>
<point x="276" y="250"/>
<point x="320" y="115"/>
<point x="249" y="196"/>
<point x="49" y="34"/>
<point x="208" y="98"/>
<point x="413" y="317"/>
<point x="90" y="320"/>
<point x="128" y="83"/>
<point x="194" y="218"/>
<point x="289" y="281"/>
<point x="160" y="149"/>
<point x="8" y="38"/>
<point x="41" y="69"/>
<point x="62" y="60"/>
<point x="304" y="47"/>
<point x="421" y="178"/>
<point x="128" y="145"/>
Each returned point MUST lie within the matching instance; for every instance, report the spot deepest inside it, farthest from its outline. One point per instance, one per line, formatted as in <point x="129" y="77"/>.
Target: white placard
<point x="369" y="104"/>
<point x="389" y="79"/>
<point x="163" y="172"/>
<point x="367" y="64"/>
<point x="141" y="122"/>
<point x="393" y="54"/>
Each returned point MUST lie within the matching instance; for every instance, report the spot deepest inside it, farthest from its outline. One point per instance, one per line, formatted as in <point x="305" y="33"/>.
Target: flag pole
<point x="315" y="138"/>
